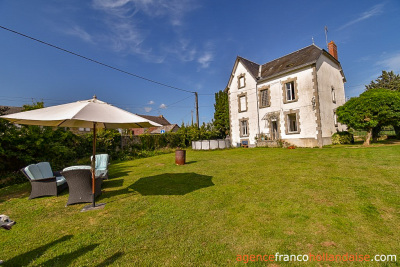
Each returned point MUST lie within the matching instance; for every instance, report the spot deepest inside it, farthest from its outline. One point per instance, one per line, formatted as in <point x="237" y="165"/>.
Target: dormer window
<point x="241" y="81"/>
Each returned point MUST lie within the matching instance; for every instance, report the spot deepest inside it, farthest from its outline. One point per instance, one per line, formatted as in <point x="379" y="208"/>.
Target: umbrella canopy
<point x="91" y="113"/>
<point x="81" y="114"/>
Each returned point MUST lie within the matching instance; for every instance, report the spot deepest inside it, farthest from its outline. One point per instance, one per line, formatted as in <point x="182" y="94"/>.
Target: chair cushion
<point x="33" y="172"/>
<point x="101" y="161"/>
<point x="60" y="180"/>
<point x="78" y="167"/>
<point x="45" y="169"/>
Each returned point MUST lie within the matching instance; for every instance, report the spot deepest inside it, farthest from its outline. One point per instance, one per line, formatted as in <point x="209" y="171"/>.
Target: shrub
<point x="341" y="138"/>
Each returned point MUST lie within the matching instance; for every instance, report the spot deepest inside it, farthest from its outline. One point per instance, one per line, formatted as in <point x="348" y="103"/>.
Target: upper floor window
<point x="290" y="94"/>
<point x="241" y="80"/>
<point x="290" y="90"/>
<point x="292" y="122"/>
<point x="242" y="102"/>
<point x="264" y="97"/>
<point x="333" y="94"/>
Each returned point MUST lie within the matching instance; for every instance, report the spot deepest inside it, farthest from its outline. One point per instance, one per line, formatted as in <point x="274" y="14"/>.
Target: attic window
<point x="241" y="81"/>
<point x="289" y="65"/>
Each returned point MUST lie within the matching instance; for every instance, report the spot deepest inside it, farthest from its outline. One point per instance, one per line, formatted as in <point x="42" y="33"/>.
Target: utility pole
<point x="192" y="117"/>
<point x="197" y="109"/>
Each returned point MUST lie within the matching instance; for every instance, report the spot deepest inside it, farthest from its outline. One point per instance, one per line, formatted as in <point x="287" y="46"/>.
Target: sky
<point x="188" y="45"/>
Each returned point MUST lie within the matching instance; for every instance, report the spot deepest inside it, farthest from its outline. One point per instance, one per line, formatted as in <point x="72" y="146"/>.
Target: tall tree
<point x="388" y="80"/>
<point x="221" y="114"/>
<point x="373" y="109"/>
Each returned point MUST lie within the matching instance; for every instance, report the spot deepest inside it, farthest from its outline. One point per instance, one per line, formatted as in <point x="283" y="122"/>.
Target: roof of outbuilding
<point x="158" y="119"/>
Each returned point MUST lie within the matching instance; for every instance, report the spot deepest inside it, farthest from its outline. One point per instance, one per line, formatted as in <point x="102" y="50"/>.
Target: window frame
<point x="247" y="127"/>
<point x="239" y="77"/>
<point x="268" y="96"/>
<point x="240" y="104"/>
<point x="294" y="90"/>
<point x="333" y="94"/>
<point x="287" y="121"/>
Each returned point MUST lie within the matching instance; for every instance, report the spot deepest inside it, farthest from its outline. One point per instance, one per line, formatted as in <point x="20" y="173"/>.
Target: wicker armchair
<point x="43" y="180"/>
<point x="80" y="185"/>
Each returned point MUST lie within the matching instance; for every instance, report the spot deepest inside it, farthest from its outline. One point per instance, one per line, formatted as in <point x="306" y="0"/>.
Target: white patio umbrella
<point x="91" y="113"/>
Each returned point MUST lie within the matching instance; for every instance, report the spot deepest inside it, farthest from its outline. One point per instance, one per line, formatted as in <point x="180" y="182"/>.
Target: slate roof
<point x="297" y="59"/>
<point x="157" y="119"/>
<point x="167" y="128"/>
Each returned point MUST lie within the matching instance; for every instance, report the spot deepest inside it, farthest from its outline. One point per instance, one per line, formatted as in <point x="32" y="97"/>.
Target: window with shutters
<point x="264" y="97"/>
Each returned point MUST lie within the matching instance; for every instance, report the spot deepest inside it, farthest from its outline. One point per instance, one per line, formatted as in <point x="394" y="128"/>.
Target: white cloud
<point x="151" y="102"/>
<point x="81" y="33"/>
<point x="148" y="109"/>
<point x="205" y="59"/>
<point x="375" y="10"/>
<point x="163" y="106"/>
<point x="390" y="62"/>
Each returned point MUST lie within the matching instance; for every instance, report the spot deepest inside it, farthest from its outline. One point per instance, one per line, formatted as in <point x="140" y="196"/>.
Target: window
<point x="244" y="125"/>
<point x="334" y="118"/>
<point x="292" y="122"/>
<point x="241" y="81"/>
<point x="290" y="94"/>
<point x="290" y="90"/>
<point x="242" y="103"/>
<point x="333" y="95"/>
<point x="264" y="99"/>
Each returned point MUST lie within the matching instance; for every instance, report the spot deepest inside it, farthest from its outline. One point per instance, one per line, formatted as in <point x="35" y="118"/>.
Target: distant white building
<point x="293" y="98"/>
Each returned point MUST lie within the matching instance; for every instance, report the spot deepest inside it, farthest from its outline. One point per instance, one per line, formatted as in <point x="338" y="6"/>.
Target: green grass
<point x="335" y="200"/>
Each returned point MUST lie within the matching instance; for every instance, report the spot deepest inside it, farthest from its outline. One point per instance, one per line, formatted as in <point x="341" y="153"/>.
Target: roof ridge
<point x="248" y="60"/>
<point x="291" y="53"/>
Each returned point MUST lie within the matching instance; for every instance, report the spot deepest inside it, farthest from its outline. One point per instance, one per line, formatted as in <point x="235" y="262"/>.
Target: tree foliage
<point x="221" y="114"/>
<point x="388" y="80"/>
<point x="373" y="109"/>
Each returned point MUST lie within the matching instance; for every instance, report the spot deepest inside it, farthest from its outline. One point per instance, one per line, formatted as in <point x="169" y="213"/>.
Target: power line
<point x="96" y="61"/>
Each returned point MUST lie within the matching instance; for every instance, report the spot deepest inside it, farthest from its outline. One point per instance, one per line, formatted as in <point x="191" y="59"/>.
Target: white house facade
<point x="293" y="98"/>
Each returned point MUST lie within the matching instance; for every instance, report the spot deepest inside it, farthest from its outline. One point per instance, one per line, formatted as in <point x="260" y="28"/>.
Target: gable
<point x="251" y="67"/>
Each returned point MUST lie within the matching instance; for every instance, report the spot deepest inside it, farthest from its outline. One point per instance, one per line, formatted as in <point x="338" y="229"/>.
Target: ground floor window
<point x="292" y="122"/>
<point x="244" y="127"/>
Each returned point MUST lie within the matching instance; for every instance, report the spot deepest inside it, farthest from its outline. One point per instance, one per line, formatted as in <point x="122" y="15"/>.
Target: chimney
<point x="333" y="49"/>
<point x="161" y="116"/>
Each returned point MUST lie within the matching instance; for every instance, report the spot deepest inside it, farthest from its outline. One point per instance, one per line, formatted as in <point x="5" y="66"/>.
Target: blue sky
<point x="189" y="44"/>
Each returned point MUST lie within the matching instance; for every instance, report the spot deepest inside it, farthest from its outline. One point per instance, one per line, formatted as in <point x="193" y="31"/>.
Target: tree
<point x="388" y="80"/>
<point x="221" y="114"/>
<point x="373" y="109"/>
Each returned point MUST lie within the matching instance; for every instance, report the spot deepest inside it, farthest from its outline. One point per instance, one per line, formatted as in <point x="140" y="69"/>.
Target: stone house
<point x="292" y="98"/>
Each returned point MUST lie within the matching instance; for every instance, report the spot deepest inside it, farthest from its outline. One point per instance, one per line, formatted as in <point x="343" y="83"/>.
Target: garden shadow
<point x="67" y="258"/>
<point x="25" y="258"/>
<point x="171" y="184"/>
<point x="112" y="183"/>
<point x="110" y="260"/>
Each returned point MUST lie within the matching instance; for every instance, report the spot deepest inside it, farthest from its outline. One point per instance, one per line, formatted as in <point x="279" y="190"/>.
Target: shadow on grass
<point x="66" y="259"/>
<point x="110" y="260"/>
<point x="190" y="162"/>
<point x="25" y="258"/>
<point x="171" y="184"/>
<point x="113" y="183"/>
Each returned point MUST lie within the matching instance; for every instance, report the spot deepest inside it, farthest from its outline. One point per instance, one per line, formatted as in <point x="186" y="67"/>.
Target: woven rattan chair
<point x="43" y="180"/>
<point x="80" y="185"/>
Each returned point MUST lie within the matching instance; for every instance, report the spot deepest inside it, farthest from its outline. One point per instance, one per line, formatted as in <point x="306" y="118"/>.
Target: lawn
<point x="221" y="204"/>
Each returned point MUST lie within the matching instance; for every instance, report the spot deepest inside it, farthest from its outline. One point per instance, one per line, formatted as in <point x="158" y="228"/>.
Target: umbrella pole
<point x="94" y="165"/>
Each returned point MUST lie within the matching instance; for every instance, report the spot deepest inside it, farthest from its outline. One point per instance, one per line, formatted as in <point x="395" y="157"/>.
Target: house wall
<point x="250" y="114"/>
<point x="307" y="119"/>
<point x="328" y="76"/>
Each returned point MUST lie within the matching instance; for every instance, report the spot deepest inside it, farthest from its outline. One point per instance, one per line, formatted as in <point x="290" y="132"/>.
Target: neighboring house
<point x="166" y="126"/>
<point x="293" y="98"/>
<point x="172" y="128"/>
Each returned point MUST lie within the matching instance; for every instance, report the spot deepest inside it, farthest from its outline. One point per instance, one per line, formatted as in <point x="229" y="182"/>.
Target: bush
<point x="341" y="138"/>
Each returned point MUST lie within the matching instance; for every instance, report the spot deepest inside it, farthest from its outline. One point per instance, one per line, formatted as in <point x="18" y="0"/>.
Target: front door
<point x="274" y="130"/>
